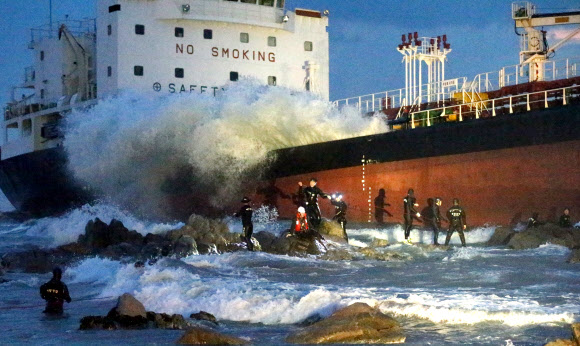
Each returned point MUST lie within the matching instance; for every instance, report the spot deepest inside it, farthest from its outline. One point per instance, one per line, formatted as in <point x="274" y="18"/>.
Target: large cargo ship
<point x="505" y="143"/>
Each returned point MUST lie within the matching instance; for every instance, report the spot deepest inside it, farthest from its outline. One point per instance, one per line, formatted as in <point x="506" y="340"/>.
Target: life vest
<point x="298" y="227"/>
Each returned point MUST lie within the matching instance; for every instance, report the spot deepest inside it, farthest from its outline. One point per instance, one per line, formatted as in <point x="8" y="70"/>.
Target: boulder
<point x="576" y="332"/>
<point x="127" y="305"/>
<point x="334" y="254"/>
<point x="99" y="235"/>
<point x="377" y="242"/>
<point x="97" y="322"/>
<point x="266" y="240"/>
<point x="372" y="253"/>
<point x="501" y="236"/>
<point x="204" y="316"/>
<point x="37" y="260"/>
<point x="562" y="342"/>
<point x="205" y="336"/>
<point x="166" y="321"/>
<point x="185" y="246"/>
<point x="548" y="233"/>
<point x="331" y="228"/>
<point x="355" y="324"/>
<point x="299" y="245"/>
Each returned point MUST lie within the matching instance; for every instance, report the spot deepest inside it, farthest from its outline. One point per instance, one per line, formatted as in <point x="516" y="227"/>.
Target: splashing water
<point x="131" y="147"/>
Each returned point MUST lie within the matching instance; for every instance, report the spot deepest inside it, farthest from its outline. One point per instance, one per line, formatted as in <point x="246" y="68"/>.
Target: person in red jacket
<point x="301" y="224"/>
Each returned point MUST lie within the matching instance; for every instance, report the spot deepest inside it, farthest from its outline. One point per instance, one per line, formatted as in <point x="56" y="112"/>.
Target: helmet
<point x="245" y="200"/>
<point x="336" y="195"/>
<point x="57" y="273"/>
<point x="301" y="210"/>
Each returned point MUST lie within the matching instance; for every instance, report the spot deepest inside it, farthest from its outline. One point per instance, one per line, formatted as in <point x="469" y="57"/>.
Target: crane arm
<point x="549" y="19"/>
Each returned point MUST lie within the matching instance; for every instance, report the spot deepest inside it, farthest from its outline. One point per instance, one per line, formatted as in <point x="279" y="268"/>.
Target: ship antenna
<point x="50" y="16"/>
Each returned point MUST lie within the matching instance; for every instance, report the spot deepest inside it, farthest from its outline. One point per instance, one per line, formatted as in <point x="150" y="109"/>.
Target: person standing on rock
<point x="565" y="219"/>
<point x="246" y="213"/>
<point x="380" y="205"/>
<point x="55" y="293"/>
<point x="409" y="212"/>
<point x="310" y="197"/>
<point x="432" y="217"/>
<point x="534" y="221"/>
<point x="340" y="212"/>
<point x="457" y="222"/>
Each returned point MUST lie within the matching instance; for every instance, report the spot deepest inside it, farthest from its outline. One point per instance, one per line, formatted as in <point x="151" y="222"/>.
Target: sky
<point x="363" y="37"/>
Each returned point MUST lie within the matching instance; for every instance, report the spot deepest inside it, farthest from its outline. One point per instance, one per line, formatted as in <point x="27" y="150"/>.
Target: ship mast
<point x="418" y="50"/>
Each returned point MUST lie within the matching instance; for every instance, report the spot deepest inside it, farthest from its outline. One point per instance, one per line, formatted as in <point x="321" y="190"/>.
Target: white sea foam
<point x="66" y="228"/>
<point x="472" y="309"/>
<point x="395" y="233"/>
<point x="128" y="146"/>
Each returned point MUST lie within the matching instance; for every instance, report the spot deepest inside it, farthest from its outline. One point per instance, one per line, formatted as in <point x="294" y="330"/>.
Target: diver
<point x="380" y="207"/>
<point x="310" y="197"/>
<point x="432" y="217"/>
<point x="340" y="212"/>
<point x="55" y="293"/>
<point x="457" y="222"/>
<point x="301" y="222"/>
<point x="248" y="227"/>
<point x="534" y="221"/>
<point x="409" y="212"/>
<point x="565" y="219"/>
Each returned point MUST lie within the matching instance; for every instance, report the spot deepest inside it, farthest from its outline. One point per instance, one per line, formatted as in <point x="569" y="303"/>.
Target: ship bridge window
<point x="249" y="1"/>
<point x="244" y="37"/>
<point x="109" y="71"/>
<point x="140" y="29"/>
<point x="179" y="32"/>
<point x="308" y="46"/>
<point x="179" y="72"/>
<point x="234" y="76"/>
<point x="280" y="3"/>
<point x="42" y="93"/>
<point x="12" y="132"/>
<point x="41" y="55"/>
<point x="138" y="70"/>
<point x="207" y="34"/>
<point x="272" y="80"/>
<point x="109" y="29"/>
<point x="114" y="8"/>
<point x="267" y="3"/>
<point x="26" y="127"/>
<point x="272" y="41"/>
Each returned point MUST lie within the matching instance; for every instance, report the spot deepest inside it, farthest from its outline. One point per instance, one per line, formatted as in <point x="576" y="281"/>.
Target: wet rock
<point x="204" y="336"/>
<point x="36" y="260"/>
<point x="97" y="322"/>
<point x="332" y="229"/>
<point x="334" y="254"/>
<point x="379" y="242"/>
<point x="127" y="305"/>
<point x="576" y="332"/>
<point x="501" y="236"/>
<point x="99" y="235"/>
<point x="562" y="342"/>
<point x="121" y="250"/>
<point x="76" y="248"/>
<point x="299" y="245"/>
<point x="372" y="253"/>
<point x="165" y="321"/>
<point x="185" y="246"/>
<point x="355" y="324"/>
<point x="548" y="233"/>
<point x="204" y="316"/>
<point x="266" y="240"/>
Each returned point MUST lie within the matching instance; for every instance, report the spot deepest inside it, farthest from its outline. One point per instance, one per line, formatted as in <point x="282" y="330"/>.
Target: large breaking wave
<point x="128" y="147"/>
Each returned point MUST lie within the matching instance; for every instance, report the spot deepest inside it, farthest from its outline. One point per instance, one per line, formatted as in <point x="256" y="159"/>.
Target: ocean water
<point x="475" y="295"/>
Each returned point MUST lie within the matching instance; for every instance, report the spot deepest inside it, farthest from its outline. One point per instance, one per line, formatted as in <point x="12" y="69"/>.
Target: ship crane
<point x="535" y="50"/>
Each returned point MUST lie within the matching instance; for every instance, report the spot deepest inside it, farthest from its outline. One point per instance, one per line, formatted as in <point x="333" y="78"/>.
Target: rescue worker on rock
<point x="565" y="219"/>
<point x="409" y="212"/>
<point x="457" y="222"/>
<point x="248" y="227"/>
<point x="55" y="293"/>
<point x="310" y="197"/>
<point x="301" y="222"/>
<point x="380" y="207"/>
<point x="432" y="217"/>
<point x="340" y="212"/>
<point x="534" y="221"/>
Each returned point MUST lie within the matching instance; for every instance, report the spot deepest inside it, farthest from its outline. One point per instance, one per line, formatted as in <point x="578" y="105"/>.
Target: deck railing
<point x="494" y="107"/>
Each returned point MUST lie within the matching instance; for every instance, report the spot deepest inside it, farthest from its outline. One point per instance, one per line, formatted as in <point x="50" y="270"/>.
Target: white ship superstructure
<point x="199" y="46"/>
<point x="162" y="46"/>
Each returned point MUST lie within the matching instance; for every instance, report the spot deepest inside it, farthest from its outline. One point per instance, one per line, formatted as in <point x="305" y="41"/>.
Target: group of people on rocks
<point x="564" y="220"/>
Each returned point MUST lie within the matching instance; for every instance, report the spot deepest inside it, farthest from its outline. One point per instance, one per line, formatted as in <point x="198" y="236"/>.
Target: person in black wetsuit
<point x="432" y="217"/>
<point x="409" y="212"/>
<point x="309" y="196"/>
<point x="340" y="212"/>
<point x="565" y="219"/>
<point x="55" y="293"/>
<point x="248" y="227"/>
<point x="457" y="222"/>
<point x="380" y="207"/>
<point x="534" y="221"/>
